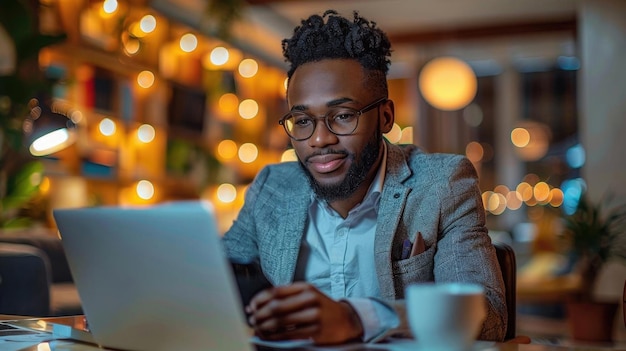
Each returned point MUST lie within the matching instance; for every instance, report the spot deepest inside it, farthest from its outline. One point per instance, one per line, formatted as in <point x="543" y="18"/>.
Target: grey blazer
<point x="435" y="194"/>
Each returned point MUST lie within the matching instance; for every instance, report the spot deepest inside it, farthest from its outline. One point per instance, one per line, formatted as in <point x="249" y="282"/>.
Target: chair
<point x="24" y="280"/>
<point x="506" y="259"/>
<point x="35" y="279"/>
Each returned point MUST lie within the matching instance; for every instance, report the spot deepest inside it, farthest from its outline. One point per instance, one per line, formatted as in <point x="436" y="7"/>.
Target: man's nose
<point x="322" y="136"/>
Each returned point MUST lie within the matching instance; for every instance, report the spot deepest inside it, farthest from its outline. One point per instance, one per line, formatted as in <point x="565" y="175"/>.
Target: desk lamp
<point x="50" y="132"/>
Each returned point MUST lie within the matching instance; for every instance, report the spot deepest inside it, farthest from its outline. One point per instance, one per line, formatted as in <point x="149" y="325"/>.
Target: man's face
<point x="338" y="165"/>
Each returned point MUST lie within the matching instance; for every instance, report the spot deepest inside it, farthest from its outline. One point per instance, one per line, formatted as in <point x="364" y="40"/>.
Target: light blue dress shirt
<point x="337" y="257"/>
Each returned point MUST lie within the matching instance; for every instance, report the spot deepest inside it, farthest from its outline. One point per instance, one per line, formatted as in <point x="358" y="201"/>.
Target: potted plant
<point x="20" y="80"/>
<point x="596" y="233"/>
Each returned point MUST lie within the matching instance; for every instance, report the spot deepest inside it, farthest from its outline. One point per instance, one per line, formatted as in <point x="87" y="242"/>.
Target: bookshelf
<point x="154" y="111"/>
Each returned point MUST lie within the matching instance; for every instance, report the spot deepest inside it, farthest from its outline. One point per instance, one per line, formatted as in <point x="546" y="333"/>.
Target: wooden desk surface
<point x="44" y="324"/>
<point x="556" y="289"/>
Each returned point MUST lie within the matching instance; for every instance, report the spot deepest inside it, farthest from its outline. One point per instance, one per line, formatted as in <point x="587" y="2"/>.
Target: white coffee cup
<point x="445" y="316"/>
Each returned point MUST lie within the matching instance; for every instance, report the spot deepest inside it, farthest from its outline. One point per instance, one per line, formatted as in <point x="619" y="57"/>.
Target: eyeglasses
<point x="339" y="120"/>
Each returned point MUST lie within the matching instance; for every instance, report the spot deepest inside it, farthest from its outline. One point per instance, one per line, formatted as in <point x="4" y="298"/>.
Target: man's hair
<point x="332" y="36"/>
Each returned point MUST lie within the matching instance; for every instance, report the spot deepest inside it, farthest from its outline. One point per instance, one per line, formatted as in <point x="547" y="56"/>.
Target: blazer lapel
<point x="288" y="236"/>
<point x="392" y="202"/>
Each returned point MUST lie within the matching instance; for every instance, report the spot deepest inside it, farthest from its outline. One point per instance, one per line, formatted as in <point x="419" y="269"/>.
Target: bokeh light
<point x="148" y="24"/>
<point x="226" y="193"/>
<point x="532" y="140"/>
<point x="513" y="200"/>
<point x="496" y="203"/>
<point x="556" y="195"/>
<point x="525" y="190"/>
<point x="109" y="6"/>
<point x="145" y="189"/>
<point x="107" y="127"/>
<point x="248" y="68"/>
<point x="248" y="153"/>
<point x="145" y="79"/>
<point x="188" y="42"/>
<point x="227" y="149"/>
<point x="394" y="134"/>
<point x="145" y="133"/>
<point x="541" y="191"/>
<point x="219" y="56"/>
<point x="502" y="189"/>
<point x="485" y="197"/>
<point x="228" y="103"/>
<point x="131" y="46"/>
<point x="407" y="136"/>
<point x="248" y="109"/>
<point x="288" y="156"/>
<point x="575" y="156"/>
<point x="448" y="83"/>
<point x="474" y="151"/>
<point x="572" y="191"/>
<point x="473" y="115"/>
<point x="520" y="137"/>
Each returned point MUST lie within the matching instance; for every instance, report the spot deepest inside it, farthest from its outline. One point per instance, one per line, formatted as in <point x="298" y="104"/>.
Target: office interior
<point x="167" y="100"/>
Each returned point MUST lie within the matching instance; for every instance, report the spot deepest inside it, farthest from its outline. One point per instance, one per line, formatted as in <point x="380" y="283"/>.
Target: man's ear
<point x="388" y="112"/>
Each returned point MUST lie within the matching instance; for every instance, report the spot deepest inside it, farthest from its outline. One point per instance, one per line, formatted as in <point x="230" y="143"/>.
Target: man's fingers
<point x="300" y="311"/>
<point x="289" y="332"/>
<point x="301" y="317"/>
<point x="286" y="305"/>
<point x="278" y="292"/>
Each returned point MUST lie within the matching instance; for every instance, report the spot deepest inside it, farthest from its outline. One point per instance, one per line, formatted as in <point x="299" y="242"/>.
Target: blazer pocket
<point x="418" y="268"/>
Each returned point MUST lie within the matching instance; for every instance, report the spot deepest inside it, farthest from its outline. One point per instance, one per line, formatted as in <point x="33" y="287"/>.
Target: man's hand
<point x="300" y="311"/>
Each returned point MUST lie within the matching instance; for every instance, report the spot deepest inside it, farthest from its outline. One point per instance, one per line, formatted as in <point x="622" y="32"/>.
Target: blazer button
<point x="396" y="195"/>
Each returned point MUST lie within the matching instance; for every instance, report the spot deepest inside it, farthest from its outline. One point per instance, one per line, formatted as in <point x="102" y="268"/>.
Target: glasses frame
<point x="358" y="113"/>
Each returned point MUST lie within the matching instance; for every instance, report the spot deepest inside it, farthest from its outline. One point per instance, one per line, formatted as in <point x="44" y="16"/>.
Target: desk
<point x="548" y="290"/>
<point x="44" y="324"/>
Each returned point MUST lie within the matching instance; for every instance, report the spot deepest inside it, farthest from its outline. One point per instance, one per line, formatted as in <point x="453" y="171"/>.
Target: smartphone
<point x="250" y="280"/>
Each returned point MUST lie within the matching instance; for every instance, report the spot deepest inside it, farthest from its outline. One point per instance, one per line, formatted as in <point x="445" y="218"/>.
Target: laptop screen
<point x="154" y="278"/>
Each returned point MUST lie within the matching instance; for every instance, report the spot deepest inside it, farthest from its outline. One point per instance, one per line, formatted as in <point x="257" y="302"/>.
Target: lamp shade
<point x="51" y="132"/>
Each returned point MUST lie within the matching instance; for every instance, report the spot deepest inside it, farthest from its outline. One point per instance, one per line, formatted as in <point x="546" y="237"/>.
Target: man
<point x="341" y="233"/>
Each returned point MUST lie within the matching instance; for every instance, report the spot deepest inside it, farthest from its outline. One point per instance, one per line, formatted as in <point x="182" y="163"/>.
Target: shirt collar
<point x="373" y="193"/>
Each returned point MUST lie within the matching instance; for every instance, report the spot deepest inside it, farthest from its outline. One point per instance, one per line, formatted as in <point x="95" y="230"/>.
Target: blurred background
<point x="162" y="100"/>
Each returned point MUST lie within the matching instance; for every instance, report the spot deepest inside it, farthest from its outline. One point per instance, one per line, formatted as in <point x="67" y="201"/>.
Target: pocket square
<point x="418" y="246"/>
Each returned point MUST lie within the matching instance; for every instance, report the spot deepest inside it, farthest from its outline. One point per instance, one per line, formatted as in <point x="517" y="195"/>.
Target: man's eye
<point x="302" y="121"/>
<point x="344" y="116"/>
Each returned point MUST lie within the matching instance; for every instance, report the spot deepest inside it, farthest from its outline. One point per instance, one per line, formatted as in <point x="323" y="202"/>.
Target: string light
<point x="109" y="6"/>
<point x="248" y="68"/>
<point x="219" y="56"/>
<point x="107" y="127"/>
<point x="147" y="23"/>
<point x="188" y="42"/>
<point x="145" y="189"/>
<point x="145" y="79"/>
<point x="146" y="133"/>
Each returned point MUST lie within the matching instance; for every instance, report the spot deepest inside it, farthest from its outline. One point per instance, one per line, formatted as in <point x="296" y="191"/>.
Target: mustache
<point x="326" y="152"/>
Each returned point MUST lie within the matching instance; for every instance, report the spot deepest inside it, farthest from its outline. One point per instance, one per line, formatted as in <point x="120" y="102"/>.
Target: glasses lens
<point x="343" y="121"/>
<point x="299" y="125"/>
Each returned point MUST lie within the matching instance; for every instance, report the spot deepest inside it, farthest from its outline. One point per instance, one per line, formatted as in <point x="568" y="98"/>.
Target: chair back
<point x="624" y="303"/>
<point x="506" y="259"/>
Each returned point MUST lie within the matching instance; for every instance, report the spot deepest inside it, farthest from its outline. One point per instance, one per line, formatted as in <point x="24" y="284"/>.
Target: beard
<point x="357" y="172"/>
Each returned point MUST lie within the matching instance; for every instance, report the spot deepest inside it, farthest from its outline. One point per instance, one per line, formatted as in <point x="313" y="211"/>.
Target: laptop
<point x="154" y="278"/>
